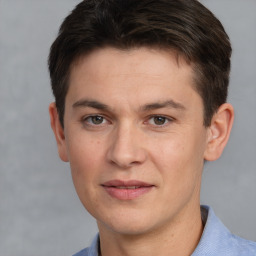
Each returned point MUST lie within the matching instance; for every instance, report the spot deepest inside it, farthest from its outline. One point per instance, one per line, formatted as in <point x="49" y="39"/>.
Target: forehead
<point x="123" y="74"/>
<point x="130" y="60"/>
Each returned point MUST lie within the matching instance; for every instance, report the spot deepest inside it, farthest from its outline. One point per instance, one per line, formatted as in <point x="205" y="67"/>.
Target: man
<point x="140" y="104"/>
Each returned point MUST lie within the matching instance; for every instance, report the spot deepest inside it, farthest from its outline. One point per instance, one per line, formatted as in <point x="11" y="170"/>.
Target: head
<point x="140" y="89"/>
<point x="185" y="27"/>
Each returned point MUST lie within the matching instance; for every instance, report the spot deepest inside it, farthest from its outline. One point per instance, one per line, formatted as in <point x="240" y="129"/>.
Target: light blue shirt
<point x="216" y="240"/>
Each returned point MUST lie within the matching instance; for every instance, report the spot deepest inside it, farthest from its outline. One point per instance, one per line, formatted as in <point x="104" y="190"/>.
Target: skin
<point x="134" y="115"/>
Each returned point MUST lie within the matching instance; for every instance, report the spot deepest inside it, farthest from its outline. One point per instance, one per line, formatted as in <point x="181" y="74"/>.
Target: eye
<point x="158" y="120"/>
<point x="95" y="120"/>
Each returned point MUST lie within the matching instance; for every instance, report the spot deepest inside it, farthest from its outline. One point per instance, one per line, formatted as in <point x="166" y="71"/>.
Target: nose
<point x="126" y="147"/>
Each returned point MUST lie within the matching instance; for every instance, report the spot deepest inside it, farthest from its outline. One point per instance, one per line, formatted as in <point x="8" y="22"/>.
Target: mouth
<point x="131" y="187"/>
<point x="126" y="190"/>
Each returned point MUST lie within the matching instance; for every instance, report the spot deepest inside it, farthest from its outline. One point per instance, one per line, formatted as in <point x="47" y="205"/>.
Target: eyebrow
<point x="165" y="104"/>
<point x="151" y="106"/>
<point x="91" y="104"/>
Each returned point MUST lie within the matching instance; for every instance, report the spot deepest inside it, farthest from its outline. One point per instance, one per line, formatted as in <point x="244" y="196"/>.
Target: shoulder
<point x="92" y="250"/>
<point x="241" y="247"/>
<point x="218" y="240"/>
<point x="84" y="252"/>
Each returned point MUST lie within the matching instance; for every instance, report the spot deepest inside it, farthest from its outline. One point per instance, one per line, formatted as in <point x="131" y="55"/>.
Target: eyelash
<point x="86" y="122"/>
<point x="167" y="120"/>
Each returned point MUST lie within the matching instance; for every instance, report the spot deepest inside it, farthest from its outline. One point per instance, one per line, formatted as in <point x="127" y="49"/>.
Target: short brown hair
<point x="184" y="26"/>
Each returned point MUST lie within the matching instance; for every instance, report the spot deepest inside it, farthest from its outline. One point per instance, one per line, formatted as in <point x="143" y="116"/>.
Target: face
<point x="134" y="137"/>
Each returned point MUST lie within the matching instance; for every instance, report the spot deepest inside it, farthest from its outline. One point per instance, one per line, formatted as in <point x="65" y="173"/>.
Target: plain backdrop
<point x="40" y="213"/>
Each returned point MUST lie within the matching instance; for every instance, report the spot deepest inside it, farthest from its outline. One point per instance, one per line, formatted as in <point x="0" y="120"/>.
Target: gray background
<point x="40" y="213"/>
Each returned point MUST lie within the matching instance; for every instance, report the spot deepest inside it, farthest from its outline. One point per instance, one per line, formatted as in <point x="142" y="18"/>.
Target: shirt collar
<point x="214" y="236"/>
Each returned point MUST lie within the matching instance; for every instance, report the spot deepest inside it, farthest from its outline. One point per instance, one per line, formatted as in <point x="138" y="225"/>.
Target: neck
<point x="178" y="239"/>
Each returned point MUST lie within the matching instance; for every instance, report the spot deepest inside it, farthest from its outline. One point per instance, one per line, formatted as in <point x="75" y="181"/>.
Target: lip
<point x="126" y="190"/>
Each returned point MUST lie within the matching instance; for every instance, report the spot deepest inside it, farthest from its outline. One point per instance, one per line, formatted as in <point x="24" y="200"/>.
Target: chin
<point x="130" y="230"/>
<point x="129" y="225"/>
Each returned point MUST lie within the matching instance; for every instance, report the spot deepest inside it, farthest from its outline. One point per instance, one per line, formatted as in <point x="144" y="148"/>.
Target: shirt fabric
<point x="216" y="240"/>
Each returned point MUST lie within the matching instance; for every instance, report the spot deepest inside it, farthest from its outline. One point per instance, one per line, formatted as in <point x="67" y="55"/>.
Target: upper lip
<point x="128" y="183"/>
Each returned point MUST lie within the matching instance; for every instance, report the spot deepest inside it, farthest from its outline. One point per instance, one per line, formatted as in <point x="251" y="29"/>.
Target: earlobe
<point x="58" y="132"/>
<point x="219" y="131"/>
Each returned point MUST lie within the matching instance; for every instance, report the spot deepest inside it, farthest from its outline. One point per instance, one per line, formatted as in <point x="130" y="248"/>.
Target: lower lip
<point x="127" y="194"/>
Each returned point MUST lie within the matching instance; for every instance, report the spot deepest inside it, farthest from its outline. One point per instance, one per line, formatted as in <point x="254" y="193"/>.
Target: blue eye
<point x="95" y="120"/>
<point x="158" y="120"/>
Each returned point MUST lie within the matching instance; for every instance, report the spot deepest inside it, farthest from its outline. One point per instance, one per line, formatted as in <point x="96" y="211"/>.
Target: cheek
<point x="86" y="168"/>
<point x="169" y="152"/>
<point x="179" y="157"/>
<point x="181" y="169"/>
<point x="85" y="158"/>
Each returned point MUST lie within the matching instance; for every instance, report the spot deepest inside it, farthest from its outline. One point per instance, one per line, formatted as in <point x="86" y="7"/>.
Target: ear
<point x="219" y="131"/>
<point x="58" y="132"/>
